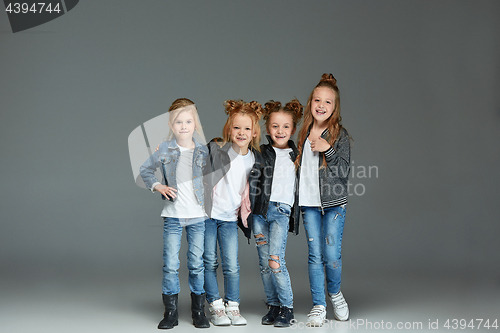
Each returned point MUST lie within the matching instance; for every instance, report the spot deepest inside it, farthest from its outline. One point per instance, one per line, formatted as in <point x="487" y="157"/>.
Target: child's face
<point x="322" y="104"/>
<point x="184" y="125"/>
<point x="242" y="131"/>
<point x="280" y="128"/>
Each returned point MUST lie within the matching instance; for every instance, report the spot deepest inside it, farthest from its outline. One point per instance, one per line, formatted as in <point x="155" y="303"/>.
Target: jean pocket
<point x="341" y="210"/>
<point x="285" y="210"/>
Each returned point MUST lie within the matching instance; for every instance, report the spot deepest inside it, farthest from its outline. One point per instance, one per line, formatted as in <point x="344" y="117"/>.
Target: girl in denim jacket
<point x="276" y="209"/>
<point x="181" y="160"/>
<point x="231" y="174"/>
<point x="323" y="168"/>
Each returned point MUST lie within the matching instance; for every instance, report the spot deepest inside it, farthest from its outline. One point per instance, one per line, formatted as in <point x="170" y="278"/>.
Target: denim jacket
<point x="266" y="183"/>
<point x="166" y="158"/>
<point x="333" y="180"/>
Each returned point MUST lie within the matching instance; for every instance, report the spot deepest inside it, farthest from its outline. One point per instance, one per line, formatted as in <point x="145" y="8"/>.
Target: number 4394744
<point x="472" y="324"/>
<point x="35" y="8"/>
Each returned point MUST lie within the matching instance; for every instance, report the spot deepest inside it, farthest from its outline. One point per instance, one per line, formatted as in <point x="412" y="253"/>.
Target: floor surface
<point x="380" y="303"/>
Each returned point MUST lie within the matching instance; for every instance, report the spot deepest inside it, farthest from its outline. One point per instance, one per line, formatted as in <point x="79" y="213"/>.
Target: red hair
<point x="252" y="110"/>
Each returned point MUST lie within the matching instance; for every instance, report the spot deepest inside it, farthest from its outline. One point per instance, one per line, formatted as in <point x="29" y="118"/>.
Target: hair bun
<point x="256" y="107"/>
<point x="231" y="106"/>
<point x="328" y="78"/>
<point x="270" y="107"/>
<point x="295" y="106"/>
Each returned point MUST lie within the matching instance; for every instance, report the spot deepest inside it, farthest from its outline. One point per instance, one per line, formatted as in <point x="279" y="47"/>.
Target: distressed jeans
<point x="270" y="236"/>
<point x="324" y="241"/>
<point x="195" y="234"/>
<point x="226" y="235"/>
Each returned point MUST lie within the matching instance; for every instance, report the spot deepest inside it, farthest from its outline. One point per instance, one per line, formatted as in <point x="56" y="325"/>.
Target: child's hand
<point x="168" y="192"/>
<point x="320" y="145"/>
<point x="157" y="147"/>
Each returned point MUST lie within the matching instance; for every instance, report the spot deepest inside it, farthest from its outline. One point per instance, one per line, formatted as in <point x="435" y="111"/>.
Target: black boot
<point x="198" y="311"/>
<point x="171" y="316"/>
<point x="268" y="319"/>
<point x="284" y="317"/>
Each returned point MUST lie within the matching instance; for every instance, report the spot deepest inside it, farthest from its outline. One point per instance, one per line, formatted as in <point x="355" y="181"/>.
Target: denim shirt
<point x="166" y="158"/>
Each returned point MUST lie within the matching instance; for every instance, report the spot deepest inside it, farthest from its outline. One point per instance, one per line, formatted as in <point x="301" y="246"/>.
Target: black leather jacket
<point x="218" y="164"/>
<point x="266" y="182"/>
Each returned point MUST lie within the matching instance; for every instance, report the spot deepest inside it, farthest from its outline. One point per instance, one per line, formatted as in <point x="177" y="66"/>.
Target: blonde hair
<point x="252" y="110"/>
<point x="181" y="105"/>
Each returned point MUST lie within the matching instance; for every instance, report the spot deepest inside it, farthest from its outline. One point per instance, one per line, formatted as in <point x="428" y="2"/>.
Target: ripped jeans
<point x="324" y="241"/>
<point x="270" y="237"/>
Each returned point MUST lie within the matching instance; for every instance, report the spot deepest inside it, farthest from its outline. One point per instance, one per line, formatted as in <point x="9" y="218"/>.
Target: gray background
<point x="80" y="243"/>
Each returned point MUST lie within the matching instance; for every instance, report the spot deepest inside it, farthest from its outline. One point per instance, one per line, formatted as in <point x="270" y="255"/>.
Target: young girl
<point x="276" y="209"/>
<point x="181" y="161"/>
<point x="233" y="167"/>
<point x="323" y="168"/>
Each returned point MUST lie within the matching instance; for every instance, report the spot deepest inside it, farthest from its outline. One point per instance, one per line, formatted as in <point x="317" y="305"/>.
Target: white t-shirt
<point x="309" y="178"/>
<point x="283" y="188"/>
<point x="228" y="191"/>
<point x="185" y="205"/>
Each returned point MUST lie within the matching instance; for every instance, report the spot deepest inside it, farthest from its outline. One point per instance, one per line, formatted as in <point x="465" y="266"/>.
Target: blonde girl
<point x="181" y="160"/>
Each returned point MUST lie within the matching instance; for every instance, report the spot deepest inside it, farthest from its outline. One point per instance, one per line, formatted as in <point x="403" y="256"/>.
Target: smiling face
<point x="322" y="104"/>
<point x="242" y="133"/>
<point x="184" y="126"/>
<point x="280" y="128"/>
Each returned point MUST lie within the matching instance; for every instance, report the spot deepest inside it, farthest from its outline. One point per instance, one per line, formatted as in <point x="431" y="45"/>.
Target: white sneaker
<point x="233" y="312"/>
<point x="317" y="316"/>
<point x="340" y="308"/>
<point x="219" y="317"/>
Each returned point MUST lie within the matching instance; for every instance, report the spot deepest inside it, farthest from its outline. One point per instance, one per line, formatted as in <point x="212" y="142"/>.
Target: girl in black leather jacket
<point x="275" y="211"/>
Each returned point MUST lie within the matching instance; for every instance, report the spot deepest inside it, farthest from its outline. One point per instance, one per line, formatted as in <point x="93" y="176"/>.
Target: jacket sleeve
<point x="338" y="157"/>
<point x="148" y="168"/>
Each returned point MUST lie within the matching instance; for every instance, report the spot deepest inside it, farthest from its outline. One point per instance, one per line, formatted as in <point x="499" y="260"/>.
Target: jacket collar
<point x="172" y="144"/>
<point x="291" y="145"/>
<point x="324" y="134"/>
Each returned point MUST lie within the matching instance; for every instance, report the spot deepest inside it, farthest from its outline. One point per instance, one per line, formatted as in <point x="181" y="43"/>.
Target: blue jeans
<point x="324" y="241"/>
<point x="195" y="234"/>
<point x="226" y="234"/>
<point x="270" y="236"/>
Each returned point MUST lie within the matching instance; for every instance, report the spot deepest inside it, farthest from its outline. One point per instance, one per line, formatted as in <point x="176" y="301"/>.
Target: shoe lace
<point x="235" y="312"/>
<point x="219" y="312"/>
<point x="315" y="312"/>
<point x="281" y="312"/>
<point x="339" y="302"/>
